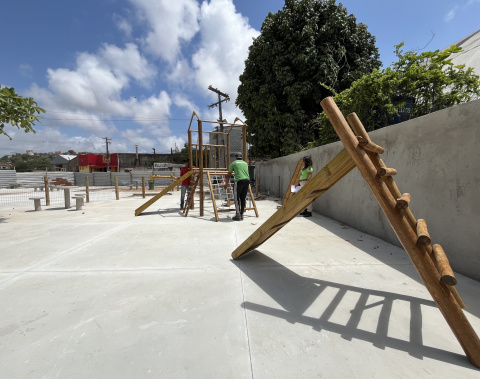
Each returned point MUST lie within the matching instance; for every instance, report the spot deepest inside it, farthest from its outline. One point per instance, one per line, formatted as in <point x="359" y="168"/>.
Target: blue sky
<point x="134" y="70"/>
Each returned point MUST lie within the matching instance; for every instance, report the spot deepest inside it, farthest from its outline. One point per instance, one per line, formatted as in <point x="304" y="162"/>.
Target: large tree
<point x="18" y="111"/>
<point x="418" y="84"/>
<point x="304" y="51"/>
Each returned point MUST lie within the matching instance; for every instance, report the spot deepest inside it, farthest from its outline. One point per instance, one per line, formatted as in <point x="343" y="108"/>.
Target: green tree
<point x="429" y="81"/>
<point x="303" y="51"/>
<point x="25" y="162"/>
<point x="18" y="111"/>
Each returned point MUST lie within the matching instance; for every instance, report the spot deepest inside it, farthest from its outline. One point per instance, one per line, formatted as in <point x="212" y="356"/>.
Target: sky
<point x="134" y="71"/>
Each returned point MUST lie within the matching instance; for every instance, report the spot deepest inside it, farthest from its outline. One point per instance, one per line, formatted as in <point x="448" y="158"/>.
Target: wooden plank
<point x="140" y="209"/>
<point x="426" y="269"/>
<point x="293" y="181"/>
<point x="335" y="170"/>
<point x="191" y="195"/>
<point x="213" y="195"/>
<point x="253" y="201"/>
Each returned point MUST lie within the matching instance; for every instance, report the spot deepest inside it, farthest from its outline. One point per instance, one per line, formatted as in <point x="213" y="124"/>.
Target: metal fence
<point x="17" y="188"/>
<point x="21" y="197"/>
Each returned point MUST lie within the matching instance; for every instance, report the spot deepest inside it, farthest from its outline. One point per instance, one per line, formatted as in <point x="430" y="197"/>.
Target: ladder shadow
<point x="468" y="288"/>
<point x="295" y="294"/>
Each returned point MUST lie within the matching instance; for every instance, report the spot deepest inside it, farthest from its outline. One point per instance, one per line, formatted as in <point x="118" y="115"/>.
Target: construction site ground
<point x="100" y="293"/>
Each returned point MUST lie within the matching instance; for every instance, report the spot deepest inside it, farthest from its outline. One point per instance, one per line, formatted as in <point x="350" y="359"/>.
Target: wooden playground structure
<point x="211" y="161"/>
<point x="429" y="260"/>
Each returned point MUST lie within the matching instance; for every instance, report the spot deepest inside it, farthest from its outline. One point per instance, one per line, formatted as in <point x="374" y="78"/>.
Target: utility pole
<point x="137" y="163"/>
<point x="220" y="141"/>
<point x="153" y="164"/>
<point x="108" y="155"/>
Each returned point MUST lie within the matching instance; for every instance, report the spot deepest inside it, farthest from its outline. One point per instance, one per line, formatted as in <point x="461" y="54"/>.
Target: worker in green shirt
<point x="239" y="168"/>
<point x="306" y="175"/>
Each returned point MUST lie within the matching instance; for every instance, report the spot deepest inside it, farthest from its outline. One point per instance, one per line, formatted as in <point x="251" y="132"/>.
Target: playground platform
<point x="100" y="293"/>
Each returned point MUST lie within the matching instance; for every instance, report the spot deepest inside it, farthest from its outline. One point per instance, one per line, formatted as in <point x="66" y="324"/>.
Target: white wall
<point x="437" y="157"/>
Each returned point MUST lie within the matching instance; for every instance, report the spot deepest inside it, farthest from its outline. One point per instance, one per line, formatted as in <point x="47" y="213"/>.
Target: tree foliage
<point x="18" y="111"/>
<point x="304" y="51"/>
<point x="26" y="162"/>
<point x="429" y="81"/>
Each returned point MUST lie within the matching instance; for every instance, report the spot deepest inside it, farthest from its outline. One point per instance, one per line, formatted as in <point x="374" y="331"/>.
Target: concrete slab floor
<point x="100" y="293"/>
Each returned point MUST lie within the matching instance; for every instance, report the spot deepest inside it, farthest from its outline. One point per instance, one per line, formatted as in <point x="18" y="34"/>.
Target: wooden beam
<point x="140" y="209"/>
<point x="335" y="170"/>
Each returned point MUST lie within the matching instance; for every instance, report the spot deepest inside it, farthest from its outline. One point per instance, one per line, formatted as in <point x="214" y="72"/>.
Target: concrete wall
<point x="438" y="162"/>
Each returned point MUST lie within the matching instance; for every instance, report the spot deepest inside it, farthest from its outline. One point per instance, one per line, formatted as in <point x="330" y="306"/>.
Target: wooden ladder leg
<point x="444" y="299"/>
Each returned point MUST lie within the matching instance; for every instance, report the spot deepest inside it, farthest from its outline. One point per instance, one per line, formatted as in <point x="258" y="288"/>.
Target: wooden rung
<point x="403" y="201"/>
<point x="369" y="145"/>
<point x="423" y="238"/>
<point x="384" y="171"/>
<point x="443" y="266"/>
<point x="316" y="193"/>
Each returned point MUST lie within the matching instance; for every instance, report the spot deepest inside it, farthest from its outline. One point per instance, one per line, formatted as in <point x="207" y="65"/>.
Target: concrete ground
<point x="100" y="293"/>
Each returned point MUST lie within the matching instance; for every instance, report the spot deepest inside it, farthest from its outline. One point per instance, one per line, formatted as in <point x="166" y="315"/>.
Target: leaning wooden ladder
<point x="430" y="262"/>
<point x="189" y="202"/>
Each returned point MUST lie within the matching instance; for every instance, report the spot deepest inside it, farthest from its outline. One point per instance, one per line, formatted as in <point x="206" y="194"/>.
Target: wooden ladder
<point x="215" y="207"/>
<point x="189" y="203"/>
<point x="430" y="261"/>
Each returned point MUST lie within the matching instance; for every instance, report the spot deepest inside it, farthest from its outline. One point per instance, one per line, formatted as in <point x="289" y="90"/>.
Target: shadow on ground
<point x="295" y="294"/>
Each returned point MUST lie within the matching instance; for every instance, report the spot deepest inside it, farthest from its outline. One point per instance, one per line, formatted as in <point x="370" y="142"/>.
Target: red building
<point x="97" y="162"/>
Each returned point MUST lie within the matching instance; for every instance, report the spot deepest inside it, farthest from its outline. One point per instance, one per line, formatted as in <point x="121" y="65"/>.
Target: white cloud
<point x="95" y="86"/>
<point x="451" y="14"/>
<point x="182" y="101"/>
<point x="170" y="23"/>
<point x="123" y="25"/>
<point x="25" y="70"/>
<point x="225" y="38"/>
<point x="100" y="86"/>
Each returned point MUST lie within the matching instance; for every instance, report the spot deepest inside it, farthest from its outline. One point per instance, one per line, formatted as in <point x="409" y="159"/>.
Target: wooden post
<point x="444" y="299"/>
<point x="47" y="190"/>
<point x="117" y="195"/>
<point x="190" y="157"/>
<point x="228" y="151"/>
<point x="200" y="147"/>
<point x="143" y="187"/>
<point x="87" y="190"/>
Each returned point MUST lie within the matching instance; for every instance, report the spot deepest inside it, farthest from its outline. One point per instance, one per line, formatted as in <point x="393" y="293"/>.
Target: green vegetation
<point x="26" y="162"/>
<point x="18" y="111"/>
<point x="304" y="51"/>
<point x="429" y="81"/>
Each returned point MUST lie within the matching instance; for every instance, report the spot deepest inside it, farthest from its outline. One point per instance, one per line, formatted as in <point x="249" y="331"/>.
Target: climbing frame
<point x="430" y="261"/>
<point x="222" y="198"/>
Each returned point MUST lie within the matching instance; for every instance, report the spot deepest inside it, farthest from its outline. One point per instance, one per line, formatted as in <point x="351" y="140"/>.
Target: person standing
<point x="186" y="183"/>
<point x="242" y="180"/>
<point x="305" y="176"/>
